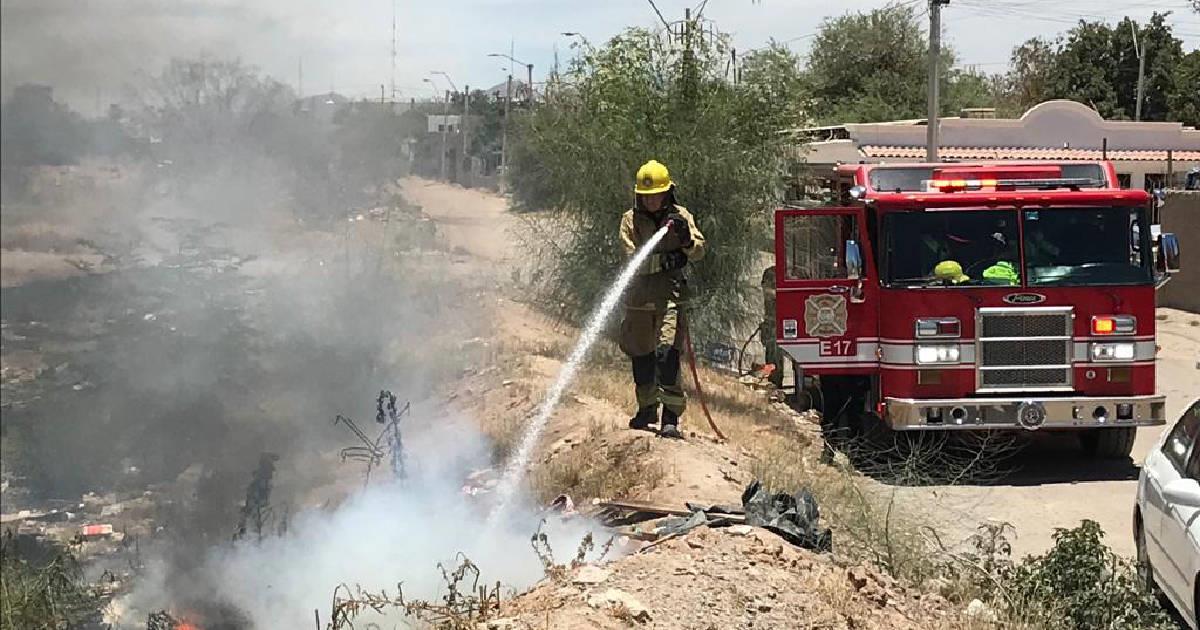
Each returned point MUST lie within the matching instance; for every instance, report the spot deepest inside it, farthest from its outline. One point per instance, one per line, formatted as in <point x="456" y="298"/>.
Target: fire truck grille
<point x="1032" y="325"/>
<point x="1024" y="349"/>
<point x="1033" y="352"/>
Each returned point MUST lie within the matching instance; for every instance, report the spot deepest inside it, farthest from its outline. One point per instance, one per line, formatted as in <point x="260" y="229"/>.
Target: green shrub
<point x="42" y="593"/>
<point x="1080" y="584"/>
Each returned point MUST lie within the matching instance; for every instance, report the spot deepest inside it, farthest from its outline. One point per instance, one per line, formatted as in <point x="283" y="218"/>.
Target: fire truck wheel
<point x="1108" y="443"/>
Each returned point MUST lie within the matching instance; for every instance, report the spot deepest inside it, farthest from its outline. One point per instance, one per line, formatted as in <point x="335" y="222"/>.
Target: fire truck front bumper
<point x="1029" y="413"/>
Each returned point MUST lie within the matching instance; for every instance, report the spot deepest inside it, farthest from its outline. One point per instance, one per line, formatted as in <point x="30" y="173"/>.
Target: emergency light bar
<point x="947" y="185"/>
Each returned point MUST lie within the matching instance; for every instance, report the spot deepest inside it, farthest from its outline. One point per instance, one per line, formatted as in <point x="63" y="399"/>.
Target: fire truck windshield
<point x="1087" y="246"/>
<point x="952" y="248"/>
<point x="972" y="248"/>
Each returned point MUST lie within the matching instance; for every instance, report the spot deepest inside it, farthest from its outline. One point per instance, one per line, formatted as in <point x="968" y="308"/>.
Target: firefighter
<point x="1002" y="271"/>
<point x="766" y="331"/>
<point x="652" y="331"/>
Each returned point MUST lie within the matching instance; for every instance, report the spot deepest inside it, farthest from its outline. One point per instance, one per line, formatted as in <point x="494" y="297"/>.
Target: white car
<point x="1166" y="521"/>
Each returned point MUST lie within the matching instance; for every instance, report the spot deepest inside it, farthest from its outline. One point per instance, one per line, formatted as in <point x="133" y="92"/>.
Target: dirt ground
<point x="1055" y="486"/>
<point x="728" y="578"/>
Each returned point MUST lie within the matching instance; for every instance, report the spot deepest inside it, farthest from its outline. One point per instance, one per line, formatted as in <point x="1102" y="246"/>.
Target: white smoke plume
<point x="390" y="533"/>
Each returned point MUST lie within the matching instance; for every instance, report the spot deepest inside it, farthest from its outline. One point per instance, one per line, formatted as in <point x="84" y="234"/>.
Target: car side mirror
<point x="1168" y="253"/>
<point x="854" y="261"/>
<point x="1183" y="492"/>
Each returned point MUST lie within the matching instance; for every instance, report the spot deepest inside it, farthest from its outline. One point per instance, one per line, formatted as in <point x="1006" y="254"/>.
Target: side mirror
<point x="1168" y="253"/>
<point x="1183" y="492"/>
<point x="854" y="261"/>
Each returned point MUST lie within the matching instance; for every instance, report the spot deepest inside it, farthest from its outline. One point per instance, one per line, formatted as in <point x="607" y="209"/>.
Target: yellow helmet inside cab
<point x="652" y="178"/>
<point x="951" y="271"/>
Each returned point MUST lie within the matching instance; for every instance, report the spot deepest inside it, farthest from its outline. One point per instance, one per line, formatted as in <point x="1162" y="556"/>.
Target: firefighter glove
<point x="680" y="227"/>
<point x="670" y="261"/>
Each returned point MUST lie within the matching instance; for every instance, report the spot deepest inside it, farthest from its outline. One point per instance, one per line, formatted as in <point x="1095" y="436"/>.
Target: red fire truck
<point x="944" y="297"/>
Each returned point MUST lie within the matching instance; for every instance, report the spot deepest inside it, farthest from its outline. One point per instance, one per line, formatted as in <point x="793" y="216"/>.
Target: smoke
<point x="251" y="292"/>
<point x="394" y="532"/>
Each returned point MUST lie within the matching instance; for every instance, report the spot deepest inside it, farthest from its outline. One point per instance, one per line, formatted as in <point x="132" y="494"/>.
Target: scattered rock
<point x="981" y="611"/>
<point x="620" y="601"/>
<point x="739" y="530"/>
<point x="590" y="574"/>
<point x="858" y="577"/>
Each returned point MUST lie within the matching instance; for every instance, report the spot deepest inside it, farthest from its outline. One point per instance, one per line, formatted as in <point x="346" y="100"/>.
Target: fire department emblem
<point x="825" y="316"/>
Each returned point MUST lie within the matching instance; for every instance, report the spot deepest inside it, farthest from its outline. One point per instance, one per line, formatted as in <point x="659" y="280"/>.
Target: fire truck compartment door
<point x="827" y="290"/>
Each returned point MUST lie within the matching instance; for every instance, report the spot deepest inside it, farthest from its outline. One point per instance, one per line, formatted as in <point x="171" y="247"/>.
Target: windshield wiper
<point x="921" y="279"/>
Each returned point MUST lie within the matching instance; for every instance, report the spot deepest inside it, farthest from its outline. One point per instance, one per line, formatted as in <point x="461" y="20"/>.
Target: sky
<point x="89" y="49"/>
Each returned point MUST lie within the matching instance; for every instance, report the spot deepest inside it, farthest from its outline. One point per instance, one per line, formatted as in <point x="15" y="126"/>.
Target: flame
<point x="187" y="625"/>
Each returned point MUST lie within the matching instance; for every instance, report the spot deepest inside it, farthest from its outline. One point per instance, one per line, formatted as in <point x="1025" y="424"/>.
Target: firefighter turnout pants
<point x="652" y="336"/>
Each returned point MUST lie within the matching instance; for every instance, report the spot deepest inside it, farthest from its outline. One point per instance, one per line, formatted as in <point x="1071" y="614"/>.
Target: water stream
<point x="515" y="471"/>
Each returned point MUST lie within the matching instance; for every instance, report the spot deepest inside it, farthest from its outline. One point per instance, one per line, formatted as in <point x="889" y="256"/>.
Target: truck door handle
<point x="838" y="289"/>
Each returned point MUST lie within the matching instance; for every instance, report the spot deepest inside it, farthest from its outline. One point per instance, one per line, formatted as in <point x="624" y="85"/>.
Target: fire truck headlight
<point x="1112" y="351"/>
<point x="927" y="354"/>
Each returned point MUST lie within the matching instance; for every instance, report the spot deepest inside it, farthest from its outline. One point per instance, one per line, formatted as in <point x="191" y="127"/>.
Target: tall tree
<point x="1084" y="69"/>
<point x="866" y="67"/>
<point x="1183" y="104"/>
<point x="1097" y="64"/>
<point x="1031" y="72"/>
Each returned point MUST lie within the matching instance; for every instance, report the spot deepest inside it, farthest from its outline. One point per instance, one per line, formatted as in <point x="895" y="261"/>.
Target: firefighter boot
<point x="670" y="425"/>
<point x="645" y="417"/>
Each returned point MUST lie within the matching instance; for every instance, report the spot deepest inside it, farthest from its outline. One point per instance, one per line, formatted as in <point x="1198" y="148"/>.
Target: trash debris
<point x="563" y="506"/>
<point x="95" y="531"/>
<point x="792" y="516"/>
<point x="677" y="525"/>
<point x="740" y="530"/>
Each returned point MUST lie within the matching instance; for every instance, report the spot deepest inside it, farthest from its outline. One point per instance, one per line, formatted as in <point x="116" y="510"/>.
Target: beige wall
<point x="1181" y="215"/>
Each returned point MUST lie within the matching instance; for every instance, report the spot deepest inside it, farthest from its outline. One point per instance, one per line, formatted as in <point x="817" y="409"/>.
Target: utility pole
<point x="504" y="128"/>
<point x="445" y="128"/>
<point x="935" y="53"/>
<point x="529" y="70"/>
<point x="1141" y="54"/>
<point x="465" y="158"/>
<point x="393" y="77"/>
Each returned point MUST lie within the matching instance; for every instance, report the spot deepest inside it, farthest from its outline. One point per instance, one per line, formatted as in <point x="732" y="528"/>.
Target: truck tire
<point x="1115" y="443"/>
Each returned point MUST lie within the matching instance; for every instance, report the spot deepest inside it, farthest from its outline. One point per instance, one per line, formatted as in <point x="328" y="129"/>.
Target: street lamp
<point x="448" y="79"/>
<point x="528" y="69"/>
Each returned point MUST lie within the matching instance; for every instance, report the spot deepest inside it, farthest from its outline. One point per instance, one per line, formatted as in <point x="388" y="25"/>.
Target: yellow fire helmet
<point x="652" y="178"/>
<point x="950" y="270"/>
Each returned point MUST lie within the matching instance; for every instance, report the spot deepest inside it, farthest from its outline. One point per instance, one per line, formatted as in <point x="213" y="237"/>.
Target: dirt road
<point x="1055" y="487"/>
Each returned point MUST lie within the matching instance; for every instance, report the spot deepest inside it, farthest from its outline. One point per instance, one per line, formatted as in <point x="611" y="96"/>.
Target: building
<point x="1145" y="154"/>
<point x="436" y="122"/>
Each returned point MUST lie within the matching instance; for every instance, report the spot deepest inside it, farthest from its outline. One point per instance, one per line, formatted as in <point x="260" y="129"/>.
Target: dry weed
<point x="594" y="469"/>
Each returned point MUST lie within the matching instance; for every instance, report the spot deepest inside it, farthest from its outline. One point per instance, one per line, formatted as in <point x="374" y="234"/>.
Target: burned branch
<point x="372" y="451"/>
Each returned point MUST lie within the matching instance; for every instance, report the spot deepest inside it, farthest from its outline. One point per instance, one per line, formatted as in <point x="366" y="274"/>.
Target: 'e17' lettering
<point x="838" y="348"/>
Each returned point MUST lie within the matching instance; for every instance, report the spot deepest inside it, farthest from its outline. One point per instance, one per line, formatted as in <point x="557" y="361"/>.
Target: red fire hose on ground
<point x="691" y="355"/>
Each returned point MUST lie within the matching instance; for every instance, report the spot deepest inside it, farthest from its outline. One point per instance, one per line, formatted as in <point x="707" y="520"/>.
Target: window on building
<point x="1124" y="180"/>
